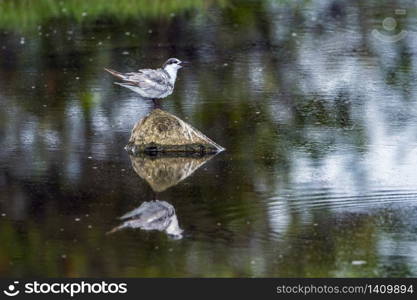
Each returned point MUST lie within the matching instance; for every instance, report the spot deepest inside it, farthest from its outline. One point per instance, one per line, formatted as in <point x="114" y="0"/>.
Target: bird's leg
<point x="156" y="103"/>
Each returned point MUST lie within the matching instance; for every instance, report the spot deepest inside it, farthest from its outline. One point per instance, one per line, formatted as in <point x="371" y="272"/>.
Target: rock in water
<point x="161" y="131"/>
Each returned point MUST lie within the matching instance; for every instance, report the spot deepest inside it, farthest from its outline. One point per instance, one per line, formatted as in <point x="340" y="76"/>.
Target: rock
<point x="164" y="172"/>
<point x="162" y="132"/>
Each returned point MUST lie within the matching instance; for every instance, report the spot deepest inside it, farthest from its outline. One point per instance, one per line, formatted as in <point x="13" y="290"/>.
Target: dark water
<point x="318" y="116"/>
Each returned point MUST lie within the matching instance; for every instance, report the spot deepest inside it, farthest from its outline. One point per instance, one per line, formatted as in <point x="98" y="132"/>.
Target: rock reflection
<point x="152" y="215"/>
<point x="163" y="172"/>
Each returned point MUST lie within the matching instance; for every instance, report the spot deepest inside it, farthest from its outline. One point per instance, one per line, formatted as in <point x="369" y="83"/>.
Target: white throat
<point x="172" y="71"/>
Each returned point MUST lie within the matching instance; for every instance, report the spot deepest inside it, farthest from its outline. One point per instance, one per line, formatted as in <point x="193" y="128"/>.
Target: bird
<point x="152" y="215"/>
<point x="151" y="83"/>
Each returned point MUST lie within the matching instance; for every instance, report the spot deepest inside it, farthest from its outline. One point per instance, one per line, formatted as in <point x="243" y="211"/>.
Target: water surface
<point x="318" y="116"/>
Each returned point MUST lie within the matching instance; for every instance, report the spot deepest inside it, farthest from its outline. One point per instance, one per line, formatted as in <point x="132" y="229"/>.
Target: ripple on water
<point x="327" y="199"/>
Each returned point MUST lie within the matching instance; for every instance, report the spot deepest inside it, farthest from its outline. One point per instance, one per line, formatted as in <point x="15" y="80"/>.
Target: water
<point x="318" y="117"/>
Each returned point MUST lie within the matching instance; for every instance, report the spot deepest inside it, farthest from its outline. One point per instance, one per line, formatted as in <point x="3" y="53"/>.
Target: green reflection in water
<point x="27" y="14"/>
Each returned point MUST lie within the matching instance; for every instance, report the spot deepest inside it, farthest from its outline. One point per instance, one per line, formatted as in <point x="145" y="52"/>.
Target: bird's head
<point x="173" y="65"/>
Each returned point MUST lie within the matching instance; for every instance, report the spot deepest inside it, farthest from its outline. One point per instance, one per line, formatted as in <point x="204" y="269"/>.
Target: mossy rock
<point x="162" y="132"/>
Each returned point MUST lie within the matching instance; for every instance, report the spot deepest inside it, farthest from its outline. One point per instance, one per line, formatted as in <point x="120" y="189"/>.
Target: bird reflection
<point x="152" y="215"/>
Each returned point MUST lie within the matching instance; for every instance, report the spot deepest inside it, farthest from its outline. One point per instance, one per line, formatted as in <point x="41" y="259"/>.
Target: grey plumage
<point x="150" y="83"/>
<point x="152" y="215"/>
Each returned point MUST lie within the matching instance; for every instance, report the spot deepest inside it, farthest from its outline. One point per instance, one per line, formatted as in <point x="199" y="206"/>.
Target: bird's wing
<point x="148" y="210"/>
<point x="158" y="75"/>
<point x="137" y="211"/>
<point x="147" y="79"/>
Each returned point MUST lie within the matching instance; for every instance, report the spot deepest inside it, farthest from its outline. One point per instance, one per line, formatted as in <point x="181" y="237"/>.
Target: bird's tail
<point x="115" y="73"/>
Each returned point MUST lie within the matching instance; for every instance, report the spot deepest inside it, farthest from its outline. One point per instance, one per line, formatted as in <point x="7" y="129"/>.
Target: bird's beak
<point x="185" y="63"/>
